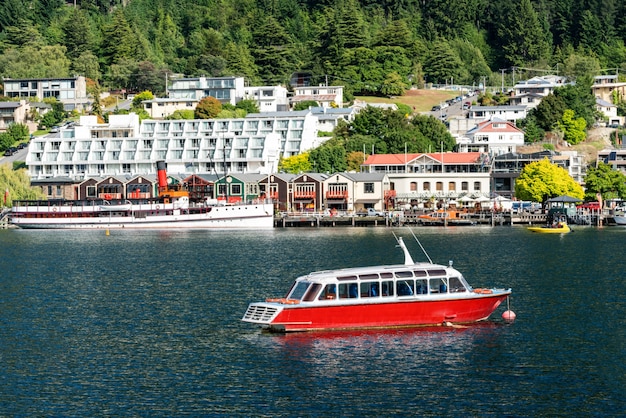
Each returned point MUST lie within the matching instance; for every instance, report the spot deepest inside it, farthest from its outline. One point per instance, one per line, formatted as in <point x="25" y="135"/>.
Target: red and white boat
<point x="402" y="295"/>
<point x="171" y="209"/>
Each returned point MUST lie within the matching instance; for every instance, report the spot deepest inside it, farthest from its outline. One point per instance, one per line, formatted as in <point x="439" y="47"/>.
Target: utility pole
<point x="502" y="70"/>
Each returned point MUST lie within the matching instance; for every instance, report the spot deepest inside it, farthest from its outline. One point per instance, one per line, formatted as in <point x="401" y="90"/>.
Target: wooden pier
<point x="485" y="218"/>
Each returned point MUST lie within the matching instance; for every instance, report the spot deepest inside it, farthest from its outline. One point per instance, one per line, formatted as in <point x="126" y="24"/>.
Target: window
<point x="329" y="292"/>
<point x="477" y="186"/>
<point x="370" y="289"/>
<point x="451" y="186"/>
<point x="221" y="189"/>
<point x="464" y="186"/>
<point x="369" y="188"/>
<point x="439" y="186"/>
<point x="426" y="186"/>
<point x="299" y="290"/>
<point x="235" y="189"/>
<point x="91" y="191"/>
<point x="413" y="186"/>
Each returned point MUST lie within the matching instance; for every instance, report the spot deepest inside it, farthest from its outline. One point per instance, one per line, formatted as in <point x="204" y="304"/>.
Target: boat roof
<point x="332" y="274"/>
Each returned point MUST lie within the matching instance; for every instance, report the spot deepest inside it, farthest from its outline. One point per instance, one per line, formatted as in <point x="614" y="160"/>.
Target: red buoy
<point x="508" y="315"/>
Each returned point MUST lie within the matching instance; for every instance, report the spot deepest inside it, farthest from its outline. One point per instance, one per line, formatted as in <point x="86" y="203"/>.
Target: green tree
<point x="573" y="128"/>
<point x="548" y="112"/>
<point x="442" y="63"/>
<point x="295" y="164"/>
<point x="87" y="65"/>
<point x="305" y="104"/>
<point x="523" y="38"/>
<point x="329" y="158"/>
<point x="273" y="51"/>
<point x="603" y="179"/>
<point x="119" y="40"/>
<point x="208" y="108"/>
<point x="542" y="180"/>
<point x="140" y="97"/>
<point x="17" y="182"/>
<point x="182" y="114"/>
<point x="354" y="160"/>
<point x="35" y="62"/>
<point x="393" y="85"/>
<point x="78" y="38"/>
<point x="250" y="106"/>
<point x="532" y="132"/>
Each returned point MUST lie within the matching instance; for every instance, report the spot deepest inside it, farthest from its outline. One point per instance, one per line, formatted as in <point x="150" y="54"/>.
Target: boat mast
<point x="408" y="260"/>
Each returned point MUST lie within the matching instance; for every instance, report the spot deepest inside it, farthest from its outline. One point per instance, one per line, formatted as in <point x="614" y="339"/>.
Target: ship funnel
<point x="408" y="261"/>
<point x="162" y="175"/>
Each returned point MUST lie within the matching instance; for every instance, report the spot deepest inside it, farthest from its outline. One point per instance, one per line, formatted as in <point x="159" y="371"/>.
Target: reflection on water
<point x="147" y="323"/>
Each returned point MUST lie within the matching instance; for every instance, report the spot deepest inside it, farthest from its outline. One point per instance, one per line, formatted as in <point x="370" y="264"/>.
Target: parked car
<point x="371" y="212"/>
<point x="435" y="108"/>
<point x="467" y="106"/>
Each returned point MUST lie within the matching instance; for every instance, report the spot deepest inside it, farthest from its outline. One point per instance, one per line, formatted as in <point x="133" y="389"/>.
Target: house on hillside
<point x="604" y="87"/>
<point x="609" y="110"/>
<point x="493" y="137"/>
<point x="71" y="91"/>
<point x="325" y="96"/>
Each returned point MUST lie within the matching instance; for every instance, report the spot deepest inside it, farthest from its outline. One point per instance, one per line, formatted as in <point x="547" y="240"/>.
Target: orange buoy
<point x="508" y="315"/>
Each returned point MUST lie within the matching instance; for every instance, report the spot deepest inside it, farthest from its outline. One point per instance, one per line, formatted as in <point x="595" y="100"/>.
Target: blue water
<point x="147" y="323"/>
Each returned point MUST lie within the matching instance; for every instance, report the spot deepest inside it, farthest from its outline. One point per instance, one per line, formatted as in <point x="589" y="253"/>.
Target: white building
<point x="609" y="110"/>
<point x="415" y="177"/>
<point x="161" y="108"/>
<point x="185" y="93"/>
<point x="225" y="89"/>
<point x="268" y="98"/>
<point x="325" y="96"/>
<point x="494" y="137"/>
<point x="71" y="91"/>
<point x="356" y="191"/>
<point x="126" y="146"/>
<point x="541" y="86"/>
<point x="510" y="113"/>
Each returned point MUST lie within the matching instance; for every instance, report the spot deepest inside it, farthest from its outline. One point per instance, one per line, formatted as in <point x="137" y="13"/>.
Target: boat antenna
<point x="420" y="244"/>
<point x="408" y="260"/>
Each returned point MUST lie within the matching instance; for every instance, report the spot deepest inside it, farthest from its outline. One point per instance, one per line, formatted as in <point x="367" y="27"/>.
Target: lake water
<point x="147" y="323"/>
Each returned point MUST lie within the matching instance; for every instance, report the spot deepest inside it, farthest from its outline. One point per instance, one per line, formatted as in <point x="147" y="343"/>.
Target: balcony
<point x="337" y="194"/>
<point x="304" y="194"/>
<point x="390" y="194"/>
<point x="274" y="195"/>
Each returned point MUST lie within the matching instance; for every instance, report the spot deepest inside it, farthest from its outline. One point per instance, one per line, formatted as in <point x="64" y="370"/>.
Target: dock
<point x="486" y="218"/>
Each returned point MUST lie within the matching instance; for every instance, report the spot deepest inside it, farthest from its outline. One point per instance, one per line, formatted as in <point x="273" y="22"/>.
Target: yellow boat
<point x="560" y="227"/>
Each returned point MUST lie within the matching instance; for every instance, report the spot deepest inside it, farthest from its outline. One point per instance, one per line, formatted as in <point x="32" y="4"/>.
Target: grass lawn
<point x="418" y="100"/>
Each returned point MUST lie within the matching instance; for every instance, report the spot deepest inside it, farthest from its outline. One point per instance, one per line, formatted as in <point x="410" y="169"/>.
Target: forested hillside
<point x="370" y="46"/>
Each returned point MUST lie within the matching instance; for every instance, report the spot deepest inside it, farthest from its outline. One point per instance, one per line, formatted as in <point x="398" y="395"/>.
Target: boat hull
<point x="401" y="313"/>
<point x="550" y="230"/>
<point x="254" y="216"/>
<point x="619" y="219"/>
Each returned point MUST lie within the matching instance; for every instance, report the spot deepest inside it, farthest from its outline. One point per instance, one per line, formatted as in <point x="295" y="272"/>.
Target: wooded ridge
<point x="371" y="47"/>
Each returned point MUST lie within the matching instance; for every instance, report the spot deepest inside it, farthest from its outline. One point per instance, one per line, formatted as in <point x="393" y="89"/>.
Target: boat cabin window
<point x="456" y="285"/>
<point x="368" y="276"/>
<point x="342" y="278"/>
<point x="370" y="289"/>
<point x="439" y="285"/>
<point x="402" y="274"/>
<point x="436" y="273"/>
<point x="298" y="290"/>
<point x="386" y="275"/>
<point x="329" y="292"/>
<point x="312" y="292"/>
<point x="419" y="273"/>
<point x="421" y="286"/>
<point x="405" y="287"/>
<point x="387" y="288"/>
<point x="348" y="290"/>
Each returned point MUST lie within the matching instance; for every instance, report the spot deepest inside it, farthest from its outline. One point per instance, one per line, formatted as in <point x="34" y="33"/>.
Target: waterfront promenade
<point x="398" y="218"/>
